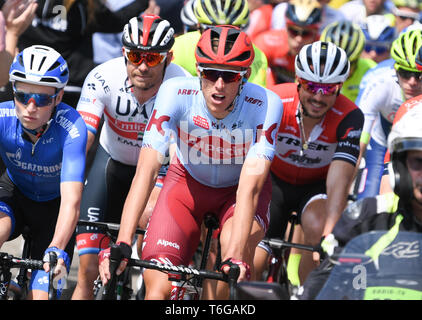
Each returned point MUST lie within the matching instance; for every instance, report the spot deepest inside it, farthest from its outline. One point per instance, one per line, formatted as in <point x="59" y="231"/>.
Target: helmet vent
<point x="201" y="53"/>
<point x="32" y="61"/>
<point x="19" y="74"/>
<point x="42" y="62"/>
<point x="54" y="66"/>
<point x="336" y="62"/>
<point x="231" y="39"/>
<point x="20" y="59"/>
<point x="64" y="73"/>
<point x="242" y="57"/>
<point x="51" y="80"/>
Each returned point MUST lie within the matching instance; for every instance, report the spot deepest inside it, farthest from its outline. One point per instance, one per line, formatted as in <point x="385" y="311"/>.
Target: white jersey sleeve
<point x="379" y="103"/>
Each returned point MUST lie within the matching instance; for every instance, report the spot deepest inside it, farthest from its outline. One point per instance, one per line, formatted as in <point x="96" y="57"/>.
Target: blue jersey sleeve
<point x="74" y="147"/>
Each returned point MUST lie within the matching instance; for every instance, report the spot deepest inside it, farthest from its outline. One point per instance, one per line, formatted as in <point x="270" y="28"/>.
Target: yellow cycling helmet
<point x="405" y="48"/>
<point x="414" y="4"/>
<point x="346" y="35"/>
<point x="222" y="12"/>
<point x="305" y="13"/>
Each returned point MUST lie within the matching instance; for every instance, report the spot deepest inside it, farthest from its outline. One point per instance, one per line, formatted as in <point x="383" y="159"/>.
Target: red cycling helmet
<point x="234" y="47"/>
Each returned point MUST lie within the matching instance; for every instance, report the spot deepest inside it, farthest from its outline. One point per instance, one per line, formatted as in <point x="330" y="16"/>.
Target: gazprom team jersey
<point x="379" y="102"/>
<point x="107" y="92"/>
<point x="336" y="137"/>
<point x="57" y="156"/>
<point x="184" y="56"/>
<point x="212" y="150"/>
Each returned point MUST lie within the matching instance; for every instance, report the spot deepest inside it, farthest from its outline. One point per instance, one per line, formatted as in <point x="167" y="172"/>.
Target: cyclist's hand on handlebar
<point x="62" y="260"/>
<point x="121" y="253"/>
<point x="326" y="247"/>
<point x="103" y="265"/>
<point x="245" y="270"/>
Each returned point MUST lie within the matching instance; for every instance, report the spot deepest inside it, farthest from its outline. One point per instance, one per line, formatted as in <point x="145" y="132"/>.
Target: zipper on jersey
<point x="33" y="147"/>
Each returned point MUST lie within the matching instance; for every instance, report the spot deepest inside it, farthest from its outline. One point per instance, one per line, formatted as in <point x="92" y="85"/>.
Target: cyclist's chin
<point x="30" y="123"/>
<point x="143" y="84"/>
<point x="408" y="94"/>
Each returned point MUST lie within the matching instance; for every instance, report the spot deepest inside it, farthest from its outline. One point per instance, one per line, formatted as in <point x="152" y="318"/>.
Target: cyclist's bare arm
<point x="71" y="194"/>
<point x="339" y="178"/>
<point x="252" y="178"/>
<point x="90" y="140"/>
<point x="143" y="182"/>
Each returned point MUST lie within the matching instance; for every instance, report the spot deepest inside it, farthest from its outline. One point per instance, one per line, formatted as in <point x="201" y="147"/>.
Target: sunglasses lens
<point x="406" y="74"/>
<point x="40" y="99"/>
<point x="151" y="59"/>
<point x="294" y="32"/>
<point x="414" y="164"/>
<point x="378" y="50"/>
<point x="315" y="88"/>
<point x="227" y="76"/>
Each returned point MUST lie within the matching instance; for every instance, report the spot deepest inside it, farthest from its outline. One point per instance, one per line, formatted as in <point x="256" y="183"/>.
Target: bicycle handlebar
<point x="10" y="261"/>
<point x="230" y="278"/>
<point x="276" y="243"/>
<point x="111" y="227"/>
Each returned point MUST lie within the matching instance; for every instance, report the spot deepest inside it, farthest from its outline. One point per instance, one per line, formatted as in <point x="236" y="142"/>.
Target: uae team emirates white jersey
<point x="213" y="151"/>
<point x="106" y="91"/>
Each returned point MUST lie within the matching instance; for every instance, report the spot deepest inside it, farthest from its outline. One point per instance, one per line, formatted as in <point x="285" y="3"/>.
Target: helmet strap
<point x="39" y="131"/>
<point x="239" y="90"/>
<point x="400" y="179"/>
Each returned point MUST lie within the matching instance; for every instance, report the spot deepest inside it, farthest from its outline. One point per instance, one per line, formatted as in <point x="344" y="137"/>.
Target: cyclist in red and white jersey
<point x="303" y="20"/>
<point x="317" y="148"/>
<point x="122" y="90"/>
<point x="260" y="12"/>
<point x="224" y="128"/>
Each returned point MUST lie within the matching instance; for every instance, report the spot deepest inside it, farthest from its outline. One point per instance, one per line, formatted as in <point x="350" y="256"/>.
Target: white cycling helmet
<point x="187" y="15"/>
<point x="40" y="65"/>
<point x="322" y="62"/>
<point x="405" y="135"/>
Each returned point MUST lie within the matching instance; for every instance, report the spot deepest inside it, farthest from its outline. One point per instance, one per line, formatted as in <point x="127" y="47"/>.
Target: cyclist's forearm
<point x="68" y="214"/>
<point x="89" y="141"/>
<point x="338" y="184"/>
<point x="241" y="225"/>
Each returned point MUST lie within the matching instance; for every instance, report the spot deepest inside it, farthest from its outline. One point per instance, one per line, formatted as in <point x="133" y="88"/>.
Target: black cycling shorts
<point x="287" y="198"/>
<point x="38" y="218"/>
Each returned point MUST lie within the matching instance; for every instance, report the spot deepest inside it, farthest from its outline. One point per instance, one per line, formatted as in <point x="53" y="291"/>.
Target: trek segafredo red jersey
<point x="213" y="150"/>
<point x="336" y="137"/>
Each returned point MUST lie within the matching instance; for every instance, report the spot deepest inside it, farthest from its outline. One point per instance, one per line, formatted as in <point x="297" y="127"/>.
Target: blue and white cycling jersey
<point x="379" y="100"/>
<point x="373" y="72"/>
<point x="58" y="155"/>
<point x="213" y="151"/>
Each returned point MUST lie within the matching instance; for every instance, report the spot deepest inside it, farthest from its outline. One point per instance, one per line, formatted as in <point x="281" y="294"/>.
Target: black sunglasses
<point x="406" y="74"/>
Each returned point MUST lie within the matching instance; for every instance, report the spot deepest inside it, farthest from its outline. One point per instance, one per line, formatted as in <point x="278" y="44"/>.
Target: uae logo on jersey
<point x="201" y="122"/>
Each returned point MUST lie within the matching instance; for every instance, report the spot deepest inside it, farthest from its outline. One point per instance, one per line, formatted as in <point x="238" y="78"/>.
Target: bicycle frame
<point x="277" y="272"/>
